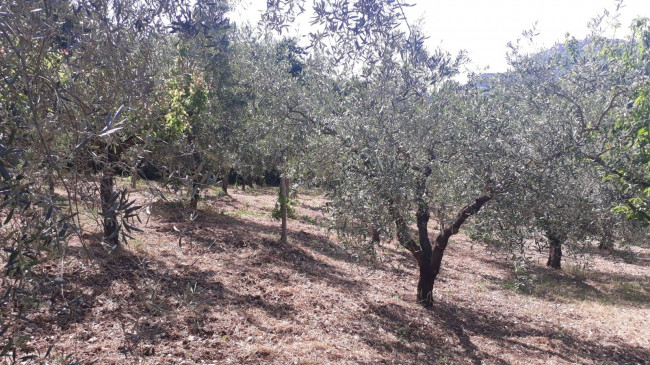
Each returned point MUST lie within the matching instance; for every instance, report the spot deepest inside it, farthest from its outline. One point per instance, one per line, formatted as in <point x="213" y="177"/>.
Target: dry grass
<point x="231" y="294"/>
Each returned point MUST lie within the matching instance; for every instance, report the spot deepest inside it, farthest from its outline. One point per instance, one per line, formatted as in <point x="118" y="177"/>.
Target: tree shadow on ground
<point x="236" y="229"/>
<point x="244" y="232"/>
<point x="145" y="284"/>
<point x="269" y="253"/>
<point x="401" y="331"/>
<point x="622" y="255"/>
<point x="451" y="333"/>
<point x="448" y="333"/>
<point x="583" y="285"/>
<point x="516" y="333"/>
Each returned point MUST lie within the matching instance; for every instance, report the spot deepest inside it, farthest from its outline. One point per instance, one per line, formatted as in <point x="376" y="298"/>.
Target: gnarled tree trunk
<point x="429" y="256"/>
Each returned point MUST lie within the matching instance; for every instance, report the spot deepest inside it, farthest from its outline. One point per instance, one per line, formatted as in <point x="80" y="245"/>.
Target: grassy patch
<point x="253" y="213"/>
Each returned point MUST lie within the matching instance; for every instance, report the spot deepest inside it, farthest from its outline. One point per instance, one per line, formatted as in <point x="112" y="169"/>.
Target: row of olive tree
<point x="85" y="85"/>
<point x="92" y="90"/>
<point x="399" y="138"/>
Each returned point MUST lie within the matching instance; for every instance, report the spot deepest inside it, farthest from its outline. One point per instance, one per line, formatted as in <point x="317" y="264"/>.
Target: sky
<point x="483" y="28"/>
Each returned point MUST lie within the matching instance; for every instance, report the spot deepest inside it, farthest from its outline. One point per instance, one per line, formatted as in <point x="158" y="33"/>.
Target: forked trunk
<point x="429" y="254"/>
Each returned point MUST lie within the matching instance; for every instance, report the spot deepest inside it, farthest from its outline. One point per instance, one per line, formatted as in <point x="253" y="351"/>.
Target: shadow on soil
<point x="618" y="255"/>
<point x="582" y="285"/>
<point x="528" y="341"/>
<point x="444" y="334"/>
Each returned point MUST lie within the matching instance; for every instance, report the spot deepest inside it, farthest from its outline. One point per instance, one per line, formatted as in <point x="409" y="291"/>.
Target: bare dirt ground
<point x="231" y="294"/>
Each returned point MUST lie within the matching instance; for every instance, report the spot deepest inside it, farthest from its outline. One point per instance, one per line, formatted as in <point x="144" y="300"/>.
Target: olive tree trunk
<point x="554" y="251"/>
<point x="134" y="176"/>
<point x="106" y="191"/>
<point x="376" y="238"/>
<point x="284" y="192"/>
<point x="225" y="180"/>
<point x="427" y="253"/>
<point x="107" y="187"/>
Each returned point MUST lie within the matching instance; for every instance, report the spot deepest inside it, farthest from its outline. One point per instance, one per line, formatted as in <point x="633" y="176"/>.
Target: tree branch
<point x="627" y="178"/>
<point x="466" y="212"/>
<point x="403" y="236"/>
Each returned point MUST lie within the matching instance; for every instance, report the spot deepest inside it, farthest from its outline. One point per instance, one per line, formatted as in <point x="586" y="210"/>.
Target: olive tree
<point x="561" y="206"/>
<point x="78" y="80"/>
<point x="283" y="102"/>
<point x="597" y="88"/>
<point x="574" y="92"/>
<point x="87" y="71"/>
<point x="400" y="140"/>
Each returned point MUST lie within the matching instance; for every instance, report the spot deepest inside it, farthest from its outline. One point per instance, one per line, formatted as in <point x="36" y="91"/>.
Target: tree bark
<point x="134" y="177"/>
<point x="425" y="283"/>
<point x="196" y="193"/>
<point x="607" y="240"/>
<point x="106" y="190"/>
<point x="224" y="181"/>
<point x="427" y="269"/>
<point x="107" y="186"/>
<point x="284" y="191"/>
<point x="428" y="256"/>
<point x="376" y="239"/>
<point x="224" y="184"/>
<point x="50" y="182"/>
<point x="555" y="251"/>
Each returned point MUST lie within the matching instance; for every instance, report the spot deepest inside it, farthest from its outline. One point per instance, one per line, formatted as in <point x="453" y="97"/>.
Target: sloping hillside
<point x="231" y="294"/>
